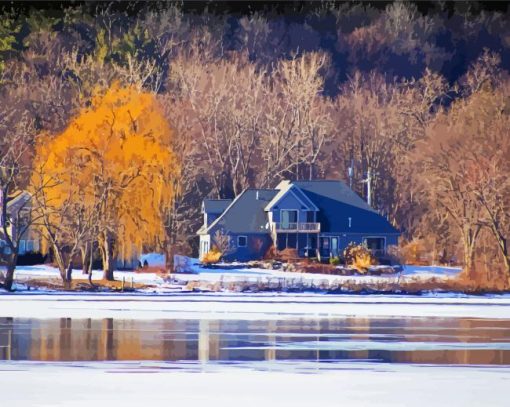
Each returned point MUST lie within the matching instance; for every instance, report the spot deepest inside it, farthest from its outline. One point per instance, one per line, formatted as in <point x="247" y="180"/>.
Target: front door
<point x="325" y="247"/>
<point x="334" y="246"/>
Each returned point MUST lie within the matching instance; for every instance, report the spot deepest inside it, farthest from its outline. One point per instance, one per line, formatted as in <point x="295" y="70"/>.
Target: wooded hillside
<point x="417" y="94"/>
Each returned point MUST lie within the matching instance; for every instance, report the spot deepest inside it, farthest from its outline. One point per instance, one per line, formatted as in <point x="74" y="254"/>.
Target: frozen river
<point x="265" y="350"/>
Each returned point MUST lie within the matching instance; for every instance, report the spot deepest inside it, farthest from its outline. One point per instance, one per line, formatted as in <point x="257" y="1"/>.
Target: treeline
<point x="416" y="94"/>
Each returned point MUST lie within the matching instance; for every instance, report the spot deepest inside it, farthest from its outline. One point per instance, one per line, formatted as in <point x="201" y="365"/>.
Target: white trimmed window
<point x="242" y="241"/>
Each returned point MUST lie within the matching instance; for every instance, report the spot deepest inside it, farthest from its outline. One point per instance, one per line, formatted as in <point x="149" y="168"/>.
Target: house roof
<point x="337" y="203"/>
<point x="17" y="201"/>
<point x="246" y="213"/>
<point x="216" y="206"/>
<point x="292" y="188"/>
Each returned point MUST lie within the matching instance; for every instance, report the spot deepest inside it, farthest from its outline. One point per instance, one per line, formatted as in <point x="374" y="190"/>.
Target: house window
<point x="21" y="249"/>
<point x="289" y="219"/>
<point x="375" y="244"/>
<point x="310" y="216"/>
<point x="30" y="246"/>
<point x="242" y="241"/>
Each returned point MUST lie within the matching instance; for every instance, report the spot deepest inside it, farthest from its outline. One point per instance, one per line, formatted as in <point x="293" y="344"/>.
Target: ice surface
<point x="248" y="306"/>
<point x="281" y="384"/>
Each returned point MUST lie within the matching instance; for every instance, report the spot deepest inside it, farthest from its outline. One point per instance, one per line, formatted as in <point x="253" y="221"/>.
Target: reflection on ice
<point x="390" y="340"/>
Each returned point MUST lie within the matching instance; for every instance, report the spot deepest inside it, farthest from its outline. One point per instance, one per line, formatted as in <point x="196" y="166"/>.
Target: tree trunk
<point x="506" y="261"/>
<point x="61" y="264"/>
<point x="169" y="256"/>
<point x="11" y="266"/>
<point x="469" y="258"/>
<point x="470" y="236"/>
<point x="107" y="253"/>
<point x="69" y="275"/>
<point x="91" y="259"/>
<point x="85" y="258"/>
<point x="503" y="248"/>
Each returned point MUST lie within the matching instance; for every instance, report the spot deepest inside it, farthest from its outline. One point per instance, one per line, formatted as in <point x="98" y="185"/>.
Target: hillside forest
<point x="121" y="117"/>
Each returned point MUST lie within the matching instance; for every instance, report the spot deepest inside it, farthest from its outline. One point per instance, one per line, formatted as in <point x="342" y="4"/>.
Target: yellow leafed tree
<point x="122" y="145"/>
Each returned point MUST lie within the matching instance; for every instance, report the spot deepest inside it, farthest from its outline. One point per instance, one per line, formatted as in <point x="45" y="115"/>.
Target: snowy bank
<point x="241" y="273"/>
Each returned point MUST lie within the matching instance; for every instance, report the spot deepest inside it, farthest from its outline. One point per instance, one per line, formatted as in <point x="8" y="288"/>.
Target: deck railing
<point x="300" y="227"/>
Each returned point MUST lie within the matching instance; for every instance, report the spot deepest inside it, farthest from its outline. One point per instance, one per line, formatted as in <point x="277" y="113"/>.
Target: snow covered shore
<point x="248" y="306"/>
<point x="126" y="384"/>
<point x="236" y="274"/>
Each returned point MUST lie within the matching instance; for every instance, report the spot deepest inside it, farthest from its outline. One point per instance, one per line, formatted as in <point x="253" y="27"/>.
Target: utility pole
<point x="350" y="172"/>
<point x="369" y="187"/>
<point x="368" y="181"/>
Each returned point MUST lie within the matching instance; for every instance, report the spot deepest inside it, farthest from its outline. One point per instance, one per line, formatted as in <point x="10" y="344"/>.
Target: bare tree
<point x="16" y="149"/>
<point x="296" y="120"/>
<point x="67" y="218"/>
<point x="223" y="242"/>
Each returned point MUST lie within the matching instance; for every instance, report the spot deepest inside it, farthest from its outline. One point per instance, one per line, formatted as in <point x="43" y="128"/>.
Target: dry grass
<point x="81" y="284"/>
<point x="316" y="268"/>
<point x="288" y="255"/>
<point x="152" y="269"/>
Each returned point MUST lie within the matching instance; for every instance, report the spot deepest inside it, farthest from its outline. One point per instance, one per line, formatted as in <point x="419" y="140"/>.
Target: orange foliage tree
<point x="122" y="148"/>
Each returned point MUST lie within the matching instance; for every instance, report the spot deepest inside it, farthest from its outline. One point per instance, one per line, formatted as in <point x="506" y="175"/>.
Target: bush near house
<point x="359" y="257"/>
<point x="271" y="253"/>
<point x="212" y="256"/>
<point x="414" y="252"/>
<point x="288" y="255"/>
<point x="335" y="261"/>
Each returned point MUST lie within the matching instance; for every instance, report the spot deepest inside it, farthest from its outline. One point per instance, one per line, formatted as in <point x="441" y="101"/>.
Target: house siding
<point x="256" y="247"/>
<point x="289" y="202"/>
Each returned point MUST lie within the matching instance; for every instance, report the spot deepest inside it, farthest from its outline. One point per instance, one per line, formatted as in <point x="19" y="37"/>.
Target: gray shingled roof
<point x="17" y="201"/>
<point x="335" y="200"/>
<point x="246" y="213"/>
<point x="337" y="203"/>
<point x="216" y="206"/>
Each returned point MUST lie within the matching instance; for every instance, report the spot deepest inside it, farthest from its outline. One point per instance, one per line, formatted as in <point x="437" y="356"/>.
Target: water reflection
<point x="410" y="340"/>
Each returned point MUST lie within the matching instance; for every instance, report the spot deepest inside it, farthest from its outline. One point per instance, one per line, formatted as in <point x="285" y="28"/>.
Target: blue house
<point x="317" y="218"/>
